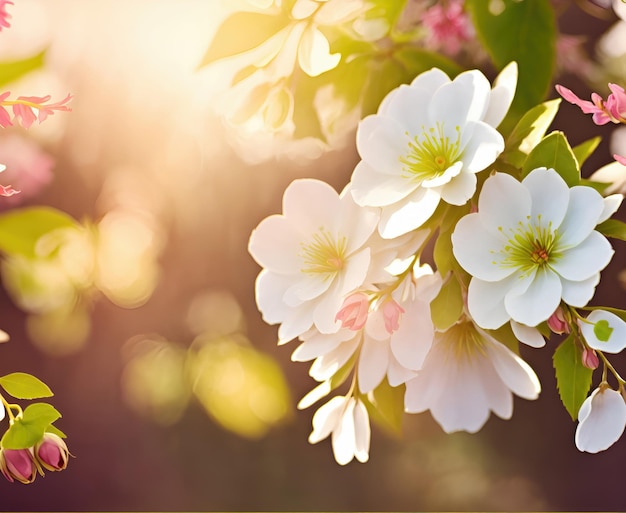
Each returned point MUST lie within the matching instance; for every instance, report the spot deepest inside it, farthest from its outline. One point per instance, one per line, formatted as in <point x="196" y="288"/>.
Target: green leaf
<point x="28" y="430"/>
<point x="529" y="131"/>
<point x="524" y="32"/>
<point x="241" y="32"/>
<point x="505" y="335"/>
<point x="385" y="75"/>
<point x="554" y="152"/>
<point x="598" y="186"/>
<point x="585" y="149"/>
<point x="385" y="405"/>
<point x="573" y="379"/>
<point x="447" y="307"/>
<point x="613" y="228"/>
<point x="11" y="71"/>
<point x="55" y="431"/>
<point x="602" y="330"/>
<point x="442" y="253"/>
<point x="20" y="229"/>
<point x="24" y="386"/>
<point x="417" y="60"/>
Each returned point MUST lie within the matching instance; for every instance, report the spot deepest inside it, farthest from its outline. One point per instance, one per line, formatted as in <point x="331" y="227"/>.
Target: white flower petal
<point x="297" y="322"/>
<point x="584" y="260"/>
<point x="549" y="194"/>
<point x="584" y="210"/>
<point x="538" y="301"/>
<point x="343" y="437"/>
<point x="431" y="80"/>
<point x="412" y="341"/>
<point x="381" y="141"/>
<point x="527" y="334"/>
<point x="604" y="422"/>
<point x="501" y="95"/>
<point x="499" y="397"/>
<point x="362" y="432"/>
<point x="398" y="374"/>
<point x="617" y="339"/>
<point x="326" y="418"/>
<point x="407" y="109"/>
<point x="374" y="189"/>
<point x="328" y="364"/>
<point x="373" y="362"/>
<point x="485" y="301"/>
<point x="269" y="289"/>
<point x="503" y="203"/>
<point x="320" y="344"/>
<point x="320" y="391"/>
<point x="306" y="288"/>
<point x="309" y="204"/>
<point x="444" y="178"/>
<point x="408" y="214"/>
<point x="314" y="55"/>
<point x="483" y="148"/>
<point x="579" y="293"/>
<point x="460" y="189"/>
<point x="611" y="204"/>
<point x="479" y="250"/>
<point x="274" y="244"/>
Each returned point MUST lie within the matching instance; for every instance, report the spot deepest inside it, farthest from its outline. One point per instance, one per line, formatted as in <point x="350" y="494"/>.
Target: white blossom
<point x="466" y="375"/>
<point x="347" y="420"/>
<point x="604" y="331"/>
<point x="427" y="142"/>
<point x="312" y="255"/>
<point x="531" y="245"/>
<point x="601" y="420"/>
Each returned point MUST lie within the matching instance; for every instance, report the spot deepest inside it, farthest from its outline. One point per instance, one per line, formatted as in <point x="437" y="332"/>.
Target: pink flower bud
<point x="354" y="311"/>
<point x="557" y="322"/>
<point x="590" y="358"/>
<point x="391" y="314"/>
<point x="51" y="452"/>
<point x="18" y="464"/>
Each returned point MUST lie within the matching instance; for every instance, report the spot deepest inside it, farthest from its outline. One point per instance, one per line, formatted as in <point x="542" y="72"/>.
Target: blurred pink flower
<point x="391" y="313"/>
<point x="620" y="159"/>
<point x="4" y="15"/>
<point x="28" y="168"/>
<point x="448" y="26"/>
<point x="25" y="108"/>
<point x="571" y="56"/>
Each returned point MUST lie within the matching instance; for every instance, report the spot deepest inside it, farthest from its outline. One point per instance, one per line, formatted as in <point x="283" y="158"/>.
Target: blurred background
<point x="143" y="322"/>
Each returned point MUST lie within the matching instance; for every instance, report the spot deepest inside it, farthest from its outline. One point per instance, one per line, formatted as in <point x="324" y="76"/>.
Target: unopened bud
<point x="51" y="452"/>
<point x="18" y="464"/>
<point x="590" y="358"/>
<point x="391" y="314"/>
<point x="557" y="322"/>
<point x="354" y="311"/>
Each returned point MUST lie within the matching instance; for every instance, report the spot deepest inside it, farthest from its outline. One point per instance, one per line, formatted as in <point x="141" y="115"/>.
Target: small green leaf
<point x="598" y="186"/>
<point x="573" y="379"/>
<point x="529" y="131"/>
<point x="524" y="32"/>
<point x="385" y="75"/>
<point x="20" y="229"/>
<point x="55" y="431"/>
<point x="613" y="228"/>
<point x="505" y="335"/>
<point x="11" y="71"/>
<point x="241" y="32"/>
<point x="28" y="430"/>
<point x="585" y="149"/>
<point x="442" y="253"/>
<point x="416" y="61"/>
<point x="602" y="330"/>
<point x="24" y="386"/>
<point x="554" y="152"/>
<point x="447" y="307"/>
<point x="385" y="405"/>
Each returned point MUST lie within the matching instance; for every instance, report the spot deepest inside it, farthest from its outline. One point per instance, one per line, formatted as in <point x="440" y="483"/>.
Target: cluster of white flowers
<point x="344" y="273"/>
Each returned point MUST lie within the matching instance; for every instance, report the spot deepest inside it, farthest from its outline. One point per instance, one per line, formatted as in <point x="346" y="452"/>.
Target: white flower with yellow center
<point x="427" y="142"/>
<point x="313" y="255"/>
<point x="531" y="245"/>
<point x="466" y="375"/>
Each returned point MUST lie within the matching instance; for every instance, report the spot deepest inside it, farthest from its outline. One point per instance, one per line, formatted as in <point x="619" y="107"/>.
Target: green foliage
<point x="554" y="152"/>
<point x="11" y="71"/>
<point x="524" y="32"/>
<point x="418" y="60"/>
<point x="585" y="149"/>
<point x="573" y="379"/>
<point x="447" y="307"/>
<point x="613" y="228"/>
<point x="30" y="428"/>
<point x="529" y="131"/>
<point x="24" y="386"/>
<point x="20" y="229"/>
<point x="385" y="405"/>
<point x="241" y="32"/>
<point x="602" y="330"/>
<point x="505" y="335"/>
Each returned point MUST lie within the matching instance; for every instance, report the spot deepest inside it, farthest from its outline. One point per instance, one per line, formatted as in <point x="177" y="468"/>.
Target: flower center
<point x="462" y="341"/>
<point x="325" y="254"/>
<point x="431" y="153"/>
<point x="529" y="246"/>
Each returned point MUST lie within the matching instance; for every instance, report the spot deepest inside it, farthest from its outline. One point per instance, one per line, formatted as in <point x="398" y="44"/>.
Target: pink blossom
<point x="354" y="311"/>
<point x="18" y="464"/>
<point x="28" y="167"/>
<point x="391" y="314"/>
<point x="590" y="358"/>
<point x="4" y="15"/>
<point x="620" y="159"/>
<point x="448" y="26"/>
<point x="557" y="322"/>
<point x="613" y="110"/>
<point x="28" y="109"/>
<point x="571" y="56"/>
